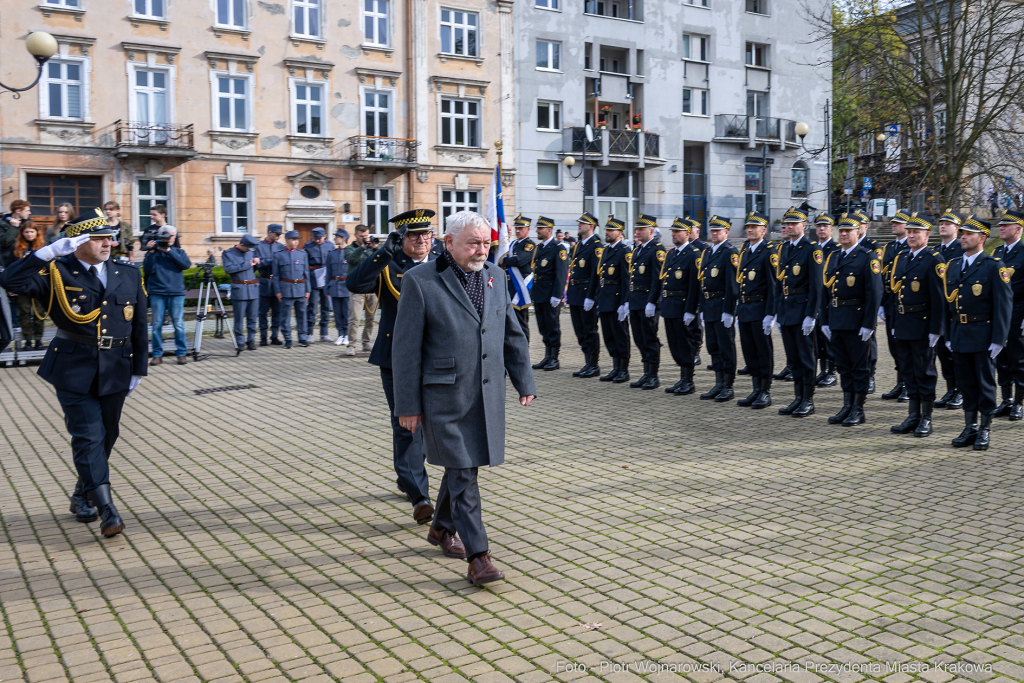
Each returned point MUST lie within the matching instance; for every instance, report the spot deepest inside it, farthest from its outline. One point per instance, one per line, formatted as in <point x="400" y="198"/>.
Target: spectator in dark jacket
<point x="10" y="224"/>
<point x="157" y="220"/>
<point x="29" y="309"/>
<point x="362" y="307"/>
<point x="65" y="213"/>
<point x="163" y="269"/>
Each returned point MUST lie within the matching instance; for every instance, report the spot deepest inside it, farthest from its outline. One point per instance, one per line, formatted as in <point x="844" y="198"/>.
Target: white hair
<point x="461" y="220"/>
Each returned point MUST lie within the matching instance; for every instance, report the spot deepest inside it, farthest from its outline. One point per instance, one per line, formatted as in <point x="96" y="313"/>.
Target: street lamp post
<point x="802" y="129"/>
<point x="569" y="161"/>
<point x="42" y="46"/>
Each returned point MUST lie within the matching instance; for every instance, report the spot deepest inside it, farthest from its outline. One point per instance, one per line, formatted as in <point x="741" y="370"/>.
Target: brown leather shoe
<point x="450" y="546"/>
<point x="482" y="571"/>
<point x="423" y="513"/>
<point x="182" y="360"/>
<point x="156" y="361"/>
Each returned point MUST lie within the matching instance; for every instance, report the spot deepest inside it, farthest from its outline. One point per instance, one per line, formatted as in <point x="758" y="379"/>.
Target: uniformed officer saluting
<point x="99" y="309"/>
<point x="550" y="264"/>
<point x="680" y="297"/>
<point x="644" y="293"/>
<point x="610" y="289"/>
<point x="582" y="270"/>
<point x="799" y="272"/>
<point x="980" y="306"/>
<point x="245" y="290"/>
<point x="754" y="309"/>
<point x="519" y="255"/>
<point x="718" y="290"/>
<point x="381" y="274"/>
<point x="1010" y="363"/>
<point x="919" y="317"/>
<point x="853" y="292"/>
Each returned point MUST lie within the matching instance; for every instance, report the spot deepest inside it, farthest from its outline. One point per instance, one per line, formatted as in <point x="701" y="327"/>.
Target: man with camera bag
<point x="163" y="267"/>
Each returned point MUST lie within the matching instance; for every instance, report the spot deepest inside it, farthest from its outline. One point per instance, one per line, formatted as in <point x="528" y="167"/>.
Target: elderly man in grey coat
<point x="456" y="336"/>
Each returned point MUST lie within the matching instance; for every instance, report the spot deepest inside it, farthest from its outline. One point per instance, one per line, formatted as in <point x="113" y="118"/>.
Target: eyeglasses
<point x="419" y="236"/>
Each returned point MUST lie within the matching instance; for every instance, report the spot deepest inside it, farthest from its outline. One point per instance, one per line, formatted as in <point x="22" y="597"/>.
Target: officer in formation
<point x="317" y="250"/>
<point x="405" y="248"/>
<point x="696" y="332"/>
<point x="872" y="244"/>
<point x="519" y="255"/>
<point x="887" y="310"/>
<point x="582" y="307"/>
<point x="755" y="308"/>
<point x="718" y="290"/>
<point x="852" y="294"/>
<point x="977" y="289"/>
<point x="680" y="298"/>
<point x="550" y="266"/>
<point x="336" y="289"/>
<point x="1010" y="363"/>
<point x="645" y="264"/>
<point x="949" y="248"/>
<point x="99" y="355"/>
<point x="917" y="321"/>
<point x="269" y="302"/>
<point x="239" y="262"/>
<point x="292" y="288"/>
<point x="796" y="311"/>
<point x="610" y="290"/>
<point x="823" y="227"/>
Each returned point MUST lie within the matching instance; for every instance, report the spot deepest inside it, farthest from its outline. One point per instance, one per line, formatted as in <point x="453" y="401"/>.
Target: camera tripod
<point x="207" y="285"/>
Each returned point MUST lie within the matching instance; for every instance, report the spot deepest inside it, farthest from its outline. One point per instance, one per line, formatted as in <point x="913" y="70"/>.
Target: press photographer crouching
<point x="164" y="268"/>
<point x="98" y="355"/>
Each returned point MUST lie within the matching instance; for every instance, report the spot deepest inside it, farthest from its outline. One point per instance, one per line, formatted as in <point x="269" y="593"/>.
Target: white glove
<point x="702" y="317"/>
<point x="1022" y="328"/>
<point x="688" y="318"/>
<point x="827" y="331"/>
<point x="949" y="345"/>
<point x="727" y="320"/>
<point x="933" y="339"/>
<point x="893" y="332"/>
<point x="865" y="333"/>
<point x="134" y="382"/>
<point x="767" y="322"/>
<point x="554" y="301"/>
<point x="808" y="325"/>
<point x="881" y="313"/>
<point x="588" y="304"/>
<point x="649" y="310"/>
<point x="993" y="350"/>
<point x="62" y="247"/>
<point x="623" y="312"/>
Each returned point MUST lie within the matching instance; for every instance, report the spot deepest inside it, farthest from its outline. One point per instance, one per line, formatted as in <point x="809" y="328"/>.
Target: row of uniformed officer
<point x="1010" y="362"/>
<point x="520" y="256"/>
<point x="550" y="266"/>
<point x="645" y="264"/>
<point x="582" y="271"/>
<point x="609" y="289"/>
<point x="755" y="307"/>
<point x="680" y="298"/>
<point x="887" y="311"/>
<point x="718" y="292"/>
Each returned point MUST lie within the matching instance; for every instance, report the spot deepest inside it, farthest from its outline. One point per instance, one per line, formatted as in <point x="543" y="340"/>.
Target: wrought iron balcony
<point x="380" y="152"/>
<point x="749" y="130"/>
<point x="614" y="145"/>
<point x="159" y="139"/>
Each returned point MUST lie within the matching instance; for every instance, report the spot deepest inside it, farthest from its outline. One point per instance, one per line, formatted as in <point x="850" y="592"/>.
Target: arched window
<point x="798" y="180"/>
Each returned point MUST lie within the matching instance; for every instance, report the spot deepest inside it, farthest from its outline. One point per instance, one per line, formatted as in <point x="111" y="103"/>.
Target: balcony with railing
<point x="373" y="151"/>
<point x="153" y="139"/>
<point x="609" y="145"/>
<point x="751" y="130"/>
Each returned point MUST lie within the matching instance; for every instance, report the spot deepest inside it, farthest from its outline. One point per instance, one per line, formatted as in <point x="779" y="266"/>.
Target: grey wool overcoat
<point x="449" y="363"/>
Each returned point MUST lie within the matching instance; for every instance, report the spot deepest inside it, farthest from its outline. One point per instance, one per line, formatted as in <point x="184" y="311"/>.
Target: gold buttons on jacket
<point x="104" y="303"/>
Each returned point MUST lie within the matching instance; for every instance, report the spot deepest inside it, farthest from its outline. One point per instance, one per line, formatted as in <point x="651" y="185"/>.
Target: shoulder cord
<point x="945" y="291"/>
<point x="893" y="285"/>
<point x="824" y="272"/>
<point x="739" y="266"/>
<point x="780" y="272"/>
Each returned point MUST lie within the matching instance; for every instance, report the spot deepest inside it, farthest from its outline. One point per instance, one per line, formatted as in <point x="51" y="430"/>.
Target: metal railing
<point x="737" y="127"/>
<point x="623" y="142"/>
<point x="128" y="134"/>
<point x="652" y="144"/>
<point x="382" y="149"/>
<point x="579" y="138"/>
<point x="731" y="126"/>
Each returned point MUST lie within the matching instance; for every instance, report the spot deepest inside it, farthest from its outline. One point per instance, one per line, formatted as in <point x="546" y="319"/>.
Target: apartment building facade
<point x="240" y="113"/>
<point x="684" y="97"/>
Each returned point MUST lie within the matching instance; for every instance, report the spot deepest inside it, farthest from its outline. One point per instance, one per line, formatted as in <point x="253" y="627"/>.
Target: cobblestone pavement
<point x="265" y="540"/>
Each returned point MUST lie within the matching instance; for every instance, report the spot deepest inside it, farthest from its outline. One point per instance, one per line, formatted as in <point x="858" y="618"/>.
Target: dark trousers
<point x="318" y="297"/>
<point x="891" y="342"/>
<point x="872" y="359"/>
<point x="645" y="336"/>
<point x="976" y="379"/>
<point x="523" y="316"/>
<point x="273" y="306"/>
<point x="946" y="361"/>
<point x="285" y="318"/>
<point x="458" y="509"/>
<point x="340" y="306"/>
<point x="851" y="356"/>
<point x="1010" y="361"/>
<point x="616" y="335"/>
<point x="917" y="368"/>
<point x="584" y="323"/>
<point x="696" y="336"/>
<point x="244" y="313"/>
<point x="800" y="354"/>
<point x="94" y="423"/>
<point x="758" y="350"/>
<point x="680" y="344"/>
<point x="722" y="347"/>
<point x="407" y="449"/>
<point x="547" y="323"/>
<point x="823" y="346"/>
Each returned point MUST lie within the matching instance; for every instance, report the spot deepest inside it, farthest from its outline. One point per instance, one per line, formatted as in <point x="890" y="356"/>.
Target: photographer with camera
<point x="157" y="220"/>
<point x="360" y="305"/>
<point x="164" y="268"/>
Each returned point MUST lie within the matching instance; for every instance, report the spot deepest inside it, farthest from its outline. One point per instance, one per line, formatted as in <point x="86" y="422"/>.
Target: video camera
<point x="163" y="239"/>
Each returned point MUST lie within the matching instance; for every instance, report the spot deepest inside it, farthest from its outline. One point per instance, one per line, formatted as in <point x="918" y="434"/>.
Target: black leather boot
<point x="743" y="371"/>
<point x="957" y="402"/>
<point x="263" y="340"/>
<point x="749" y="400"/>
<point x="894" y="393"/>
<point x="830" y="379"/>
<point x="981" y="441"/>
<point x="806" y="406"/>
<point x="856" y="416"/>
<point x="970" y="432"/>
<point x="726" y="394"/>
<point x="1017" y="409"/>
<point x="111" y="523"/>
<point x="682" y="378"/>
<point x="686" y="386"/>
<point x="913" y="418"/>
<point x="786" y="374"/>
<point x="924" y="425"/>
<point x="844" y="412"/>
<point x="543" y="361"/>
<point x="1003" y="409"/>
<point x="950" y="392"/>
<point x="586" y="366"/>
<point x="616" y="366"/>
<point x="552" y="363"/>
<point x="764" y="397"/>
<point x="798" y="390"/>
<point x="592" y="369"/>
<point x="871" y="383"/>
<point x="643" y="378"/>
<point x="81" y="508"/>
<point x="715" y="390"/>
<point x="652" y="379"/>
<point x="623" y="375"/>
